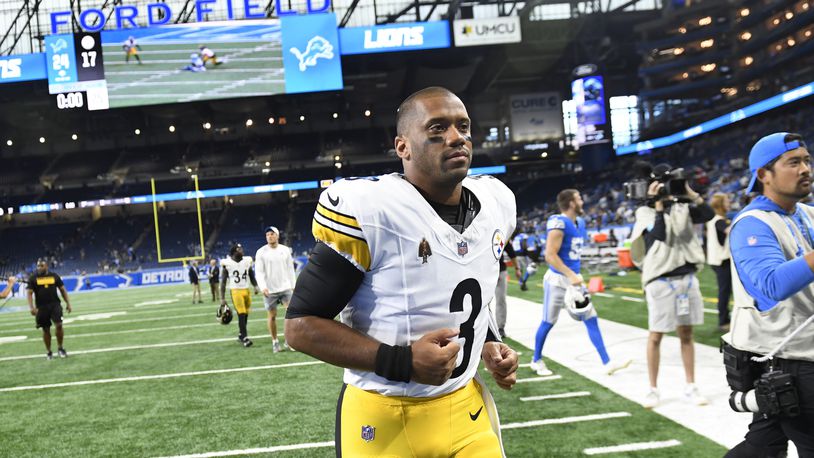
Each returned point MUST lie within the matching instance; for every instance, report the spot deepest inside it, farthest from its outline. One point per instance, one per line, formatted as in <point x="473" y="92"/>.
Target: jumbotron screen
<point x="198" y="61"/>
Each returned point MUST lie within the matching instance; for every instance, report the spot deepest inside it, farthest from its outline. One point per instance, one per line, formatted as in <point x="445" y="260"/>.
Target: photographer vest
<point x="716" y="253"/>
<point x="760" y="332"/>
<point x="681" y="246"/>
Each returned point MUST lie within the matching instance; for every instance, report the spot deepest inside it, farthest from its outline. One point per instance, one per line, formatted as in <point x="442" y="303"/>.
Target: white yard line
<point x="539" y="379"/>
<point x="157" y="377"/>
<point x="634" y="447"/>
<point x="632" y="299"/>
<point x="255" y="451"/>
<point x="138" y="347"/>
<point x="574" y="394"/>
<point x="136" y="331"/>
<point x="564" y="420"/>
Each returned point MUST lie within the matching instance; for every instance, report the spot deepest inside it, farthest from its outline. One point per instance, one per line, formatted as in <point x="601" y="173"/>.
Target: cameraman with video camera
<point x="772" y="247"/>
<point x="667" y="250"/>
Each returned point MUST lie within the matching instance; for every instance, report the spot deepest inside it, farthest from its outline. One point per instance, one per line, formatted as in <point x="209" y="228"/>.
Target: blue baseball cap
<point x="272" y="229"/>
<point x="768" y="149"/>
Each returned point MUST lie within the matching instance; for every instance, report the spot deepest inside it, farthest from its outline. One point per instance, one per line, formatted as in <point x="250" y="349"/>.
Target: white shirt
<point x="420" y="274"/>
<point x="275" y="269"/>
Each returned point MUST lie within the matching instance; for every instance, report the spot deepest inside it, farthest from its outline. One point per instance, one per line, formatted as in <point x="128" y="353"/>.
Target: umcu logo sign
<point x="474" y="32"/>
<point x="394" y="37"/>
<point x="129" y="16"/>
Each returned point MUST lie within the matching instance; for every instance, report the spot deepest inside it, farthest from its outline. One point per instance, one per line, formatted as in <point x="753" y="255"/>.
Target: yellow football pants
<point x="452" y="425"/>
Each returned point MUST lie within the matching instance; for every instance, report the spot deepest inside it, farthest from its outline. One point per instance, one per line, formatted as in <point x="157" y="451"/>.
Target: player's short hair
<point x="565" y="197"/>
<point x="234" y="248"/>
<point x="406" y="110"/>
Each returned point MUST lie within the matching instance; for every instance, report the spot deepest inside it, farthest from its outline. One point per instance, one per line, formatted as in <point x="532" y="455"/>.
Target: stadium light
<point x="789" y="15"/>
<point x="808" y="33"/>
<point x="338" y="165"/>
<point x="266" y="170"/>
<point x="708" y="67"/>
<point x="678" y="51"/>
<point x="744" y="12"/>
<point x="9" y="142"/>
<point x="271" y="120"/>
<point x="337" y="158"/>
<point x="335" y="115"/>
<point x="708" y="43"/>
<point x="685" y="75"/>
<point x="682" y="30"/>
<point x="137" y="131"/>
<point x="74" y="137"/>
<point x="367" y="113"/>
<point x="207" y="126"/>
<point x="172" y="128"/>
<point x="805" y="6"/>
<point x="42" y="139"/>
<point x="746" y="35"/>
<point x="302" y="118"/>
<point x="249" y="122"/>
<point x="544" y="155"/>
<point x="268" y="163"/>
<point x="776" y="21"/>
<point x="705" y="21"/>
<point x="189" y="169"/>
<point x="748" y="60"/>
<point x="791" y="42"/>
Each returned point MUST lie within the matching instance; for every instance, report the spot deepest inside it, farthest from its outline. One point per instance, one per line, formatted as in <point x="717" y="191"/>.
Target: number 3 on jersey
<point x="469" y="287"/>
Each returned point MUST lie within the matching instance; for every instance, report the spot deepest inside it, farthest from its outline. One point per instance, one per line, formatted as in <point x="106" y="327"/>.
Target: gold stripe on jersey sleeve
<point x="339" y="218"/>
<point x="354" y="247"/>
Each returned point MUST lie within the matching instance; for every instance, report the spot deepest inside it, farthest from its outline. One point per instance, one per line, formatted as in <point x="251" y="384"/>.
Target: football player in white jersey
<point x="237" y="273"/>
<point x="412" y="262"/>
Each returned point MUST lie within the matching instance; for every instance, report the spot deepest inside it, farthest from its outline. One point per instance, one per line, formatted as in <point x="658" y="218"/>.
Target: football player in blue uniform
<point x="563" y="283"/>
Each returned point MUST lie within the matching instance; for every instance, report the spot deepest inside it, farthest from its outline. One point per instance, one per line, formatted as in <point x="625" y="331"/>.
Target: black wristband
<point x="394" y="362"/>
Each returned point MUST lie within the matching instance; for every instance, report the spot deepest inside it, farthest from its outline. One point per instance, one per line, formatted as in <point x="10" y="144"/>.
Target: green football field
<point x="150" y="374"/>
<point x="250" y="69"/>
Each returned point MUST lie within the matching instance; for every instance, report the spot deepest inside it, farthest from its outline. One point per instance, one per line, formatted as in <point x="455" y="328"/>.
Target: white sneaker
<point x="276" y="347"/>
<point x="540" y="368"/>
<point x="615" y="366"/>
<point x="693" y="395"/>
<point x="652" y="399"/>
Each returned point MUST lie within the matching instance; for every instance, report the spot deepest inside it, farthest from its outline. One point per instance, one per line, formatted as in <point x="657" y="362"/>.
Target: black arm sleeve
<point x="701" y="213"/>
<point x="252" y="278"/>
<point x="720" y="230"/>
<point x="658" y="233"/>
<point x="325" y="285"/>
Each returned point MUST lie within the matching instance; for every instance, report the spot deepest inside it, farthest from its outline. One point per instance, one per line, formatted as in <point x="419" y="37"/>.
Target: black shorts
<point x="47" y="314"/>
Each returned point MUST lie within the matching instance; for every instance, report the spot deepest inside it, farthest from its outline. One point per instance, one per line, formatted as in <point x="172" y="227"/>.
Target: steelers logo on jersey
<point x="498" y="243"/>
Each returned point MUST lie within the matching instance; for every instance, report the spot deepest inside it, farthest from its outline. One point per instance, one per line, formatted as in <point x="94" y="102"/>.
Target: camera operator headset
<point x="667" y="250"/>
<point x="772" y="248"/>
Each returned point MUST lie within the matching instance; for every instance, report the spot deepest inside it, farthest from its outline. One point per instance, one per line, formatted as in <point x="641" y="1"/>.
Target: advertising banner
<point x="536" y="116"/>
<point x="404" y="36"/>
<point x="476" y="32"/>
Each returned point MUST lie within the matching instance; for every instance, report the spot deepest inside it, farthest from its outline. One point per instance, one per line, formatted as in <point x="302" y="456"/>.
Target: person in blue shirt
<point x="521" y="260"/>
<point x="566" y="235"/>
<point x="772" y="248"/>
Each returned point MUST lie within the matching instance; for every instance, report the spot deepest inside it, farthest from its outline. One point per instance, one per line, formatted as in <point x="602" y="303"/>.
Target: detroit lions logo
<point x="317" y="47"/>
<point x="59" y="45"/>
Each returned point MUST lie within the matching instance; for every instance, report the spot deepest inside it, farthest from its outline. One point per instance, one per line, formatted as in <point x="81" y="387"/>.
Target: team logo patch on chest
<point x="498" y="243"/>
<point x="368" y="433"/>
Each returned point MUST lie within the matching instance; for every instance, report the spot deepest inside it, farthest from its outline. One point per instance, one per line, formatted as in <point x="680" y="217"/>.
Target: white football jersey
<point x="420" y="274"/>
<point x="238" y="272"/>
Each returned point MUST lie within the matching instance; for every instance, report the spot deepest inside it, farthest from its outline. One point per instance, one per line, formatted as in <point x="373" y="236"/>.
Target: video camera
<point x="675" y="182"/>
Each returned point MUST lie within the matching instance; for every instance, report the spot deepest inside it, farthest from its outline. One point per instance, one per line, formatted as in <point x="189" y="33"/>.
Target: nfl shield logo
<point x="368" y="433"/>
<point x="463" y="248"/>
